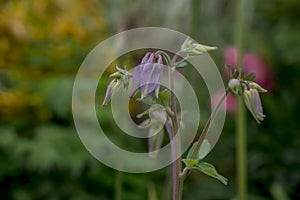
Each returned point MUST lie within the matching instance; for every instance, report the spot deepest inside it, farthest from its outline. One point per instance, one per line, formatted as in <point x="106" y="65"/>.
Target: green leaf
<point x="190" y="163"/>
<point x="203" y="151"/>
<point x="211" y="171"/>
<point x="164" y="98"/>
<point x="250" y="77"/>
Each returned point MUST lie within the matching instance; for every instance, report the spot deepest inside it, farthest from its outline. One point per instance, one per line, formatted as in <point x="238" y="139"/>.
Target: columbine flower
<point x="109" y="91"/>
<point x="147" y="76"/>
<point x="192" y="48"/>
<point x="253" y="103"/>
<point x="242" y="85"/>
<point x="121" y="77"/>
<point x="251" y="62"/>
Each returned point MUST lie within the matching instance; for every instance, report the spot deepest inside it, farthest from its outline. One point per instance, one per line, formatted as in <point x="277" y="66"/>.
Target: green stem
<point x="241" y="140"/>
<point x="203" y="134"/>
<point x="206" y="127"/>
<point x="176" y="165"/>
<point x="118" y="185"/>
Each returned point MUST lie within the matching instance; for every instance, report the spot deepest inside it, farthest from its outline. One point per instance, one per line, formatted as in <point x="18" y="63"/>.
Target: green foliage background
<point x="42" y="44"/>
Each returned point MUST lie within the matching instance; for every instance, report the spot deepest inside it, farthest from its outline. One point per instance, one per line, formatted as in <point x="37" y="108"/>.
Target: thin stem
<point x="241" y="139"/>
<point x="241" y="142"/>
<point x="206" y="127"/>
<point x="118" y="185"/>
<point x="176" y="165"/>
<point x="204" y="132"/>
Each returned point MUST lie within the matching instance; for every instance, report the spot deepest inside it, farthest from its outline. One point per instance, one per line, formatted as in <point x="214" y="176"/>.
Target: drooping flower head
<point x="253" y="103"/>
<point x="121" y="77"/>
<point x="249" y="90"/>
<point x="251" y="62"/>
<point x="147" y="76"/>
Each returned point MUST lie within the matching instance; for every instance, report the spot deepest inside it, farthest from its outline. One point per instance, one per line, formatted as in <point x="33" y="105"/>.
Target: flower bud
<point x="234" y="85"/>
<point x="257" y="87"/>
<point x="192" y="48"/>
<point x="253" y="103"/>
<point x="109" y="91"/>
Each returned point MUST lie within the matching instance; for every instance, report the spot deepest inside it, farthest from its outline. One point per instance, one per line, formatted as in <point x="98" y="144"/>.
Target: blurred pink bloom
<point x="254" y="63"/>
<point x="230" y="56"/>
<point x="251" y="63"/>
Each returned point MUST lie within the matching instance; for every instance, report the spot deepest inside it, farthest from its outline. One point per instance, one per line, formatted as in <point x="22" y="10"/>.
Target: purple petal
<point x="151" y="58"/>
<point x="145" y="58"/>
<point x="150" y="77"/>
<point x="159" y="59"/>
<point x="108" y="93"/>
<point x="135" y="80"/>
<point x="257" y="104"/>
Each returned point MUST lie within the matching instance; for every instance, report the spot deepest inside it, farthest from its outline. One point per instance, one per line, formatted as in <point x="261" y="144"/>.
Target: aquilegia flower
<point x="253" y="103"/>
<point x="147" y="76"/>
<point x="249" y="90"/>
<point x="121" y="77"/>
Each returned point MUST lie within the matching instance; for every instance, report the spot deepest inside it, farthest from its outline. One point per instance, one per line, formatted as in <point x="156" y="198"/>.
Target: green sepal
<point x="180" y="64"/>
<point x="250" y="77"/>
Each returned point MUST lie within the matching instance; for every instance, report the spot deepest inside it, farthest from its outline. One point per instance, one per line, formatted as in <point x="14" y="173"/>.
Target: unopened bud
<point x="234" y="85"/>
<point x="109" y="91"/>
<point x="257" y="87"/>
<point x="253" y="103"/>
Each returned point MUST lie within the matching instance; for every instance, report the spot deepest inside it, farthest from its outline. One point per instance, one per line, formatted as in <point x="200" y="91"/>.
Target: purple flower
<point x="109" y="91"/>
<point x="253" y="103"/>
<point x="121" y="77"/>
<point x="147" y="76"/>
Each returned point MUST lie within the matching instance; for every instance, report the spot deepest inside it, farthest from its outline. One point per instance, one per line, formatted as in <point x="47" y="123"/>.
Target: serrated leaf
<point x="190" y="163"/>
<point x="211" y="171"/>
<point x="203" y="151"/>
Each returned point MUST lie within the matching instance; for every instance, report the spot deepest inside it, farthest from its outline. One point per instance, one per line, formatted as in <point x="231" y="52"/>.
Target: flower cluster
<point x="121" y="77"/>
<point x="147" y="76"/>
<point x="244" y="86"/>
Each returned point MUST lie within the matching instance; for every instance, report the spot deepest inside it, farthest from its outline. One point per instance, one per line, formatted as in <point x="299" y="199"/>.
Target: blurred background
<point x="42" y="44"/>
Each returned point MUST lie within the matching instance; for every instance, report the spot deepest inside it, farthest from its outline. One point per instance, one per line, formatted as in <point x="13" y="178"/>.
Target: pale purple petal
<point x="135" y="80"/>
<point x="108" y="93"/>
